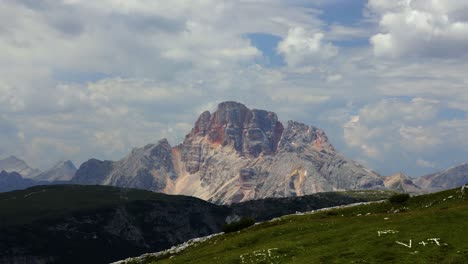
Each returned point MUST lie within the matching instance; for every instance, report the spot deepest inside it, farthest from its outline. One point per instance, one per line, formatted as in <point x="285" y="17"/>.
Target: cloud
<point x="416" y="110"/>
<point x="82" y="79"/>
<point x="302" y="48"/>
<point x="420" y="28"/>
<point x="393" y="124"/>
<point x="338" y="32"/>
<point x="385" y="119"/>
<point x="357" y="135"/>
<point x="10" y="138"/>
<point x="425" y="164"/>
<point x="419" y="138"/>
<point x="405" y="132"/>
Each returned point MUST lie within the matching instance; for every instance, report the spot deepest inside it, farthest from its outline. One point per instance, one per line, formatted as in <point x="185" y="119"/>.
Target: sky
<point x="387" y="80"/>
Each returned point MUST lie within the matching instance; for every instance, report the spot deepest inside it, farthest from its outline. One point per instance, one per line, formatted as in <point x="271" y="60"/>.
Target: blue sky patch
<point x="267" y="44"/>
<point x="343" y="12"/>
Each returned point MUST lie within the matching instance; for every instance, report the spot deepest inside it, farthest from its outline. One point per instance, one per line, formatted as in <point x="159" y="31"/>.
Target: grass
<point x="348" y="235"/>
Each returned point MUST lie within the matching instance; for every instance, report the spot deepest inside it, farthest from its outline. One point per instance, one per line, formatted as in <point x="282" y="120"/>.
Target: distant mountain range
<point x="13" y="164"/>
<point x="232" y="155"/>
<point x="14" y="181"/>
<point x="238" y="154"/>
<point x="15" y="174"/>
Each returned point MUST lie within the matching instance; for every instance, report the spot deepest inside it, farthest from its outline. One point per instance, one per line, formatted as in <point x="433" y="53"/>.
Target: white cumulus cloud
<point x="302" y="48"/>
<point x="433" y="28"/>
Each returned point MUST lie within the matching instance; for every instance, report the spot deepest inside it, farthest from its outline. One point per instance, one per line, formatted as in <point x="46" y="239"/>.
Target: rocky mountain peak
<point x="62" y="171"/>
<point x="14" y="164"/>
<point x="65" y="164"/>
<point x="402" y="183"/>
<point x="298" y="136"/>
<point x="249" y="132"/>
<point x="236" y="154"/>
<point x="164" y="143"/>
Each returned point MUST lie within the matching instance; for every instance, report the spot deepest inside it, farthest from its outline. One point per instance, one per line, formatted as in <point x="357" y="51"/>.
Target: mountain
<point x="62" y="171"/>
<point x="150" y="167"/>
<point x="236" y="154"/>
<point x="13" y="164"/>
<point x="449" y="178"/>
<point x="13" y="181"/>
<point x="13" y="171"/>
<point x="100" y="224"/>
<point x="401" y="183"/>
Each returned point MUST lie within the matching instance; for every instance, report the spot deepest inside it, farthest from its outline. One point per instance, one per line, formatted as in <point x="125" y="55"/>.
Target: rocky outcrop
<point x="236" y="154"/>
<point x="401" y="183"/>
<point x="248" y="132"/>
<point x="13" y="164"/>
<point x="447" y="179"/>
<point x="62" y="171"/>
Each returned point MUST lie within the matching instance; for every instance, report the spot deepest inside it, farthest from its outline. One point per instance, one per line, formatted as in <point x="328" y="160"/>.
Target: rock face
<point x="236" y="154"/>
<point x="13" y="164"/>
<point x="401" y="183"/>
<point x="249" y="132"/>
<point x="150" y="168"/>
<point x="447" y="179"/>
<point x="62" y="171"/>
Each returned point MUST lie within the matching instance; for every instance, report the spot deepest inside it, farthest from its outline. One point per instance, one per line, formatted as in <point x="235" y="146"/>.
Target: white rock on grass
<point x="172" y="250"/>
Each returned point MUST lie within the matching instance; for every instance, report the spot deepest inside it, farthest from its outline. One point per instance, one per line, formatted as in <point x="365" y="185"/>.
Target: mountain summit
<point x="236" y="154"/>
<point x="13" y="164"/>
<point x="402" y="183"/>
<point x="62" y="171"/>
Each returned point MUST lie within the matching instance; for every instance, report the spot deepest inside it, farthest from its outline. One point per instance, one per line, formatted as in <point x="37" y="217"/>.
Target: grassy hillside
<point x="55" y="201"/>
<point x="425" y="229"/>
<point x="58" y="223"/>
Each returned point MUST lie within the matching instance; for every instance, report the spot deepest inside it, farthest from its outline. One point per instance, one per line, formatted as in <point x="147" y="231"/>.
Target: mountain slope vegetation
<point x="99" y="224"/>
<point x="425" y="229"/>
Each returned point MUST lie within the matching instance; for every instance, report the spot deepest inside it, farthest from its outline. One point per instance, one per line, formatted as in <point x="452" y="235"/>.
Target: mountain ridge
<point x="14" y="164"/>
<point x="402" y="183"/>
<point x="62" y="171"/>
<point x="446" y="179"/>
<point x="236" y="154"/>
